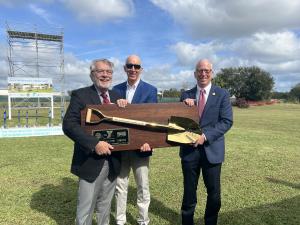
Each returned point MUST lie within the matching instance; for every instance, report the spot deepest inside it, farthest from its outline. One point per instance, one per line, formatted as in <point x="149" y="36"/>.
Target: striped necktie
<point x="105" y="98"/>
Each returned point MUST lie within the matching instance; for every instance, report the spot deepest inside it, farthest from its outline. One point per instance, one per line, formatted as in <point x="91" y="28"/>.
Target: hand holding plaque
<point x="180" y="129"/>
<point x="158" y="124"/>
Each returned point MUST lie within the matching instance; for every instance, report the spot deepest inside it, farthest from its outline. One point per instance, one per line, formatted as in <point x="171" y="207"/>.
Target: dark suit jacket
<point x="86" y="164"/>
<point x="144" y="93"/>
<point x="215" y="121"/>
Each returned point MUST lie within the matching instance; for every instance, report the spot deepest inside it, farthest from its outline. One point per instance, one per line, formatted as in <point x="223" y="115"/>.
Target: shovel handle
<point x="138" y="122"/>
<point x="102" y="117"/>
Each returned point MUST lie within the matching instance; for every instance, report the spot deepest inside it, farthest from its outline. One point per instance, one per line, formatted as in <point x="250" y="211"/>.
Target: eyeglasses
<point x="101" y="72"/>
<point x="206" y="71"/>
<point x="135" y="66"/>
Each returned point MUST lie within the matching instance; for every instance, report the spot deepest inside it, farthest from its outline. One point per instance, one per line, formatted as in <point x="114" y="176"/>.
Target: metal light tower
<point x="37" y="53"/>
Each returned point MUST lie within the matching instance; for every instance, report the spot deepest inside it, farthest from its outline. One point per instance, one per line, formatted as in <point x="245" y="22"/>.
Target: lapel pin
<point x="213" y="93"/>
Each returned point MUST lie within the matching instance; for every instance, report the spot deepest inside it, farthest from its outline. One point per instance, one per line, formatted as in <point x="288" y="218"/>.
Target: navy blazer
<point x="86" y="164"/>
<point x="144" y="93"/>
<point x="216" y="120"/>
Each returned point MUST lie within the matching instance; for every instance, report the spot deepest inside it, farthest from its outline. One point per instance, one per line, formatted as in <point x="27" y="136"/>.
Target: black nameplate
<point x="113" y="136"/>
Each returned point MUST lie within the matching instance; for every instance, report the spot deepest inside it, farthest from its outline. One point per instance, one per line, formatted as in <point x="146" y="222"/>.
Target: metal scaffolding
<point x="37" y="53"/>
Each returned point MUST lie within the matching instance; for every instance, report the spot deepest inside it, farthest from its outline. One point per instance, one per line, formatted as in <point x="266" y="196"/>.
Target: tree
<point x="250" y="83"/>
<point x="172" y="92"/>
<point x="260" y="85"/>
<point x="280" y="95"/>
<point x="231" y="79"/>
<point x="295" y="92"/>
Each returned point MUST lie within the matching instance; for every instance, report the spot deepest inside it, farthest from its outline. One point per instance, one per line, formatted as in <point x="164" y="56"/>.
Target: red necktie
<point x="201" y="101"/>
<point x="105" y="98"/>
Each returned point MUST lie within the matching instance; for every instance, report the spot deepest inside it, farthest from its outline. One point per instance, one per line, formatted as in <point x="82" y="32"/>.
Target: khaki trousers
<point x="140" y="168"/>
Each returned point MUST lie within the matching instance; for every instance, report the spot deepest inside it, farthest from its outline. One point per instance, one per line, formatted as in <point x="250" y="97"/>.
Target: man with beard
<point x="93" y="161"/>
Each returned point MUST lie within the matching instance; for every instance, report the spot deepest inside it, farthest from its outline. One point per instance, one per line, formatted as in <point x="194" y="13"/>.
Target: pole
<point x="50" y="117"/>
<point x="19" y="119"/>
<point x="26" y="118"/>
<point x="36" y="117"/>
<point x="4" y="119"/>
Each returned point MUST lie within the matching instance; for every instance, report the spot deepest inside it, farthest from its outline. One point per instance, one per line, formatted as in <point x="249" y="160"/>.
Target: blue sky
<point x="169" y="36"/>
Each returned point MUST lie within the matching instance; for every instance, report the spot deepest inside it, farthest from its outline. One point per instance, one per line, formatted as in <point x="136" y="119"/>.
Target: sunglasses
<point x="135" y="66"/>
<point x="206" y="71"/>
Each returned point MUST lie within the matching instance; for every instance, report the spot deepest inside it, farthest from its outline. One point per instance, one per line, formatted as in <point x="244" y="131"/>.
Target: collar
<point x="207" y="88"/>
<point x="99" y="91"/>
<point x="134" y="86"/>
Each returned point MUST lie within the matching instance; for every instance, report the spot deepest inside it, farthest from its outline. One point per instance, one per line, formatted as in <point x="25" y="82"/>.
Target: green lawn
<point x="260" y="176"/>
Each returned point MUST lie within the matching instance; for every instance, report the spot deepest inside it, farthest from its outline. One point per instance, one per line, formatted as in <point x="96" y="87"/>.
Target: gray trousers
<point x="140" y="168"/>
<point x="95" y="196"/>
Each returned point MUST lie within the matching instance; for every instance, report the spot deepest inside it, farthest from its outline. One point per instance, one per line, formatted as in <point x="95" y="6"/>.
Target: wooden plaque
<point x="138" y="135"/>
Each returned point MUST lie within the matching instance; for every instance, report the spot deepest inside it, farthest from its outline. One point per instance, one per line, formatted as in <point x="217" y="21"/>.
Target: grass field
<point x="260" y="176"/>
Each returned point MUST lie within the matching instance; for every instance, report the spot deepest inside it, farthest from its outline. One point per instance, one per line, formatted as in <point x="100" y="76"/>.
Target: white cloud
<point x="231" y="18"/>
<point x="163" y="78"/>
<point x="24" y="60"/>
<point x="3" y="66"/>
<point x="229" y="32"/>
<point x="269" y="48"/>
<point x="41" y="13"/>
<point x="85" y="10"/>
<point x="277" y="53"/>
<point x="77" y="75"/>
<point x="240" y="33"/>
<point x="100" y="10"/>
<point x="188" y="54"/>
<point x="77" y="72"/>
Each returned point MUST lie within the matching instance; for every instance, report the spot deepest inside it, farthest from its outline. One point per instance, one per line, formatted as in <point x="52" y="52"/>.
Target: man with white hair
<point x="93" y="161"/>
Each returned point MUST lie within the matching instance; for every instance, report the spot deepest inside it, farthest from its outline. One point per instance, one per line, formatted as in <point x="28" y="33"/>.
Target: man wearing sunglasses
<point x="135" y="91"/>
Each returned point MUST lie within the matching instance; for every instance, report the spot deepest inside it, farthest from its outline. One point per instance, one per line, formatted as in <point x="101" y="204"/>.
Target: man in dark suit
<point x="93" y="162"/>
<point x="207" y="153"/>
<point x="134" y="91"/>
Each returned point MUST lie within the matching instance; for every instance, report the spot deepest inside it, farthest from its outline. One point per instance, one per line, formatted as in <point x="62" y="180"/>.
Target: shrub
<point x="241" y="103"/>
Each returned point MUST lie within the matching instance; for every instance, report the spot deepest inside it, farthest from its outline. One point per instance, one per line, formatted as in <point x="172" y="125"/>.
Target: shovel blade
<point x="183" y="137"/>
<point x="187" y="123"/>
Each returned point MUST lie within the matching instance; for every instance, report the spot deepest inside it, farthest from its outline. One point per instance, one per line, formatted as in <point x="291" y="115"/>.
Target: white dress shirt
<point x="99" y="94"/>
<point x="207" y="90"/>
<point x="131" y="90"/>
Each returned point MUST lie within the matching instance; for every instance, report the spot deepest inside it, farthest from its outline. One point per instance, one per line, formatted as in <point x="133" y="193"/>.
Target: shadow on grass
<point x="59" y="203"/>
<point x="285" y="183"/>
<point x="285" y="212"/>
<point x="157" y="208"/>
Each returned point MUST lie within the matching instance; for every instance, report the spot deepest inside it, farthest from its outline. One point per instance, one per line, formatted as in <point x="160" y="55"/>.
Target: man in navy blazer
<point x="207" y="153"/>
<point x="134" y="91"/>
<point x="93" y="162"/>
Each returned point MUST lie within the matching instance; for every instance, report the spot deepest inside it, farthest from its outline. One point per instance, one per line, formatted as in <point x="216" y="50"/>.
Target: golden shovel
<point x="180" y="129"/>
